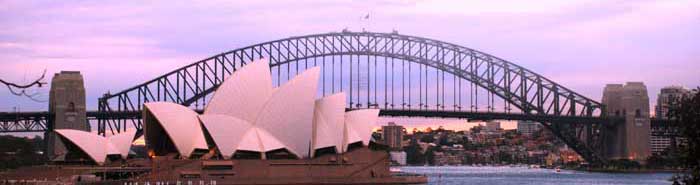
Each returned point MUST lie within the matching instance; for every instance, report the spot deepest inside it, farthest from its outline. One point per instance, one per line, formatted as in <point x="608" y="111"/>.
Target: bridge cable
<point x="369" y="83"/>
<point x="359" y="87"/>
<point x="323" y="69"/>
<point x="386" y="84"/>
<point x="409" y="84"/>
<point x="393" y="93"/>
<point x="425" y="67"/>
<point x="351" y="92"/>
<point x="375" y="82"/>
<point x="420" y="86"/>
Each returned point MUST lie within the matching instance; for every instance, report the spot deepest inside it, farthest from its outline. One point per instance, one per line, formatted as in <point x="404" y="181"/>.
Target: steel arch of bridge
<point x="532" y="94"/>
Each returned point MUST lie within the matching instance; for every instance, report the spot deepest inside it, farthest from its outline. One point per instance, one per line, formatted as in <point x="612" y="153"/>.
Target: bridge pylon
<point x="628" y="136"/>
<point x="66" y="111"/>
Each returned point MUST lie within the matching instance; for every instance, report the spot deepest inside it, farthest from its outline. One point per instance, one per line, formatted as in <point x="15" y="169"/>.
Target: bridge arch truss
<point x="368" y="66"/>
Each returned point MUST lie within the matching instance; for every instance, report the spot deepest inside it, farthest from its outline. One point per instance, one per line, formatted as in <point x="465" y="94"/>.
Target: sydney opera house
<point x="252" y="132"/>
<point x="249" y="119"/>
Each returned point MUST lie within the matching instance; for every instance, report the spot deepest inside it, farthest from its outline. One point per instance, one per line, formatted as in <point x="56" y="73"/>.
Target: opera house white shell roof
<point x="247" y="113"/>
<point x="98" y="147"/>
<point x="179" y="123"/>
<point x="231" y="134"/>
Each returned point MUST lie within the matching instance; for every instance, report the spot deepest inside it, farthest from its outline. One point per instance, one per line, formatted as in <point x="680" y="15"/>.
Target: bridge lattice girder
<point x="11" y="122"/>
<point x="529" y="92"/>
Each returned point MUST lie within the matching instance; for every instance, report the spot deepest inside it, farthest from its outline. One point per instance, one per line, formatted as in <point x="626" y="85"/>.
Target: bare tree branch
<point x="20" y="90"/>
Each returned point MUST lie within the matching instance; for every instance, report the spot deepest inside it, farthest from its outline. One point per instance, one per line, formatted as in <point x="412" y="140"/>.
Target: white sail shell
<point x="329" y="115"/>
<point x="98" y="147"/>
<point x="180" y="124"/>
<point x="244" y="94"/>
<point x="288" y="114"/>
<point x="359" y="125"/>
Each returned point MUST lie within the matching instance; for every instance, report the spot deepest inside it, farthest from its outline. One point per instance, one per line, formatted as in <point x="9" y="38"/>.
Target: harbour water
<point x="505" y="175"/>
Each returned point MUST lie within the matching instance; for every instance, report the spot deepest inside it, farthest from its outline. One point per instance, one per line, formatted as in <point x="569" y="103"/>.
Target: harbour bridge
<point x="404" y="76"/>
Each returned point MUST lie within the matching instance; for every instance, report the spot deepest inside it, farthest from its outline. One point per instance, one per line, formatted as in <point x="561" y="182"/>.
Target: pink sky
<point x="580" y="44"/>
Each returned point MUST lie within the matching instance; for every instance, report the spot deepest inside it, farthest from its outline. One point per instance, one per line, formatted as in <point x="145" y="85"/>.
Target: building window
<point x="637" y="113"/>
<point x="71" y="107"/>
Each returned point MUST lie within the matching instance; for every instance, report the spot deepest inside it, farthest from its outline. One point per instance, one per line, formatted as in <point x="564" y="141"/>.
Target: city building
<point x="444" y="158"/>
<point x="659" y="143"/>
<point x="393" y="136"/>
<point x="528" y="127"/>
<point x="398" y="157"/>
<point x="628" y="140"/>
<point x="666" y="98"/>
<point x="493" y="126"/>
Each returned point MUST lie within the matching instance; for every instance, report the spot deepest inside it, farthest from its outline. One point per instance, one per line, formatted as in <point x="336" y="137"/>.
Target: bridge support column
<point x="630" y="139"/>
<point x="67" y="110"/>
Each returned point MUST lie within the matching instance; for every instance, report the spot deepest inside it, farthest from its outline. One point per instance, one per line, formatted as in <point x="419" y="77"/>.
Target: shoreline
<point x="596" y="170"/>
<point x="627" y="170"/>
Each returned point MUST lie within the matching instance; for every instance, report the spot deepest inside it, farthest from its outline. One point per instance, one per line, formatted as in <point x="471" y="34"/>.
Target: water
<point x="522" y="175"/>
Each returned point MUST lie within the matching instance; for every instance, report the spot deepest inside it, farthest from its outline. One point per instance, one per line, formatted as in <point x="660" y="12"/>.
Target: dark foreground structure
<point x="359" y="166"/>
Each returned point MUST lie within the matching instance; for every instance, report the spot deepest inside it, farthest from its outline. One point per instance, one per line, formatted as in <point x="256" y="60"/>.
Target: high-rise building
<point x="393" y="136"/>
<point x="666" y="99"/>
<point x="67" y="103"/>
<point x="628" y="140"/>
<point x="528" y="127"/>
<point x="658" y="143"/>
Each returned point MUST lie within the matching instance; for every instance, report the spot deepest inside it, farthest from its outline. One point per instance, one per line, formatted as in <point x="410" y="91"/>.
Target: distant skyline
<point x="580" y="44"/>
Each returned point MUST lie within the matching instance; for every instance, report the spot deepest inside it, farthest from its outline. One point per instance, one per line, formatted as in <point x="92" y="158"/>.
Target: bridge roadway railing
<point x="16" y="122"/>
<point x="38" y="121"/>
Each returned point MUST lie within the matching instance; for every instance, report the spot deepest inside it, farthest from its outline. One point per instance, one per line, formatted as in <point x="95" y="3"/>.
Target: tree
<point x="413" y="154"/>
<point x="17" y="151"/>
<point x="21" y="89"/>
<point x="476" y="129"/>
<point x="428" y="138"/>
<point x="686" y="116"/>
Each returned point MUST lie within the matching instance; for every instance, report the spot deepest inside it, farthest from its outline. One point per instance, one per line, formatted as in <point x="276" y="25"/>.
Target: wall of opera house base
<point x="358" y="163"/>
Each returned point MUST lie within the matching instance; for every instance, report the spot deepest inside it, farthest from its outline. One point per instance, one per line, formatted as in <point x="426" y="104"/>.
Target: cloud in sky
<point x="581" y="44"/>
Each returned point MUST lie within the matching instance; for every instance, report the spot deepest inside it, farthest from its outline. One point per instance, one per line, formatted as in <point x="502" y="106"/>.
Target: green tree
<point x="413" y="154"/>
<point x="428" y="138"/>
<point x="686" y="115"/>
<point x="476" y="129"/>
<point x="18" y="151"/>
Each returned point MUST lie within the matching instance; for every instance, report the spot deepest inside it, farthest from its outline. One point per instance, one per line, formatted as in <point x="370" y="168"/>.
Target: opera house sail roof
<point x="98" y="147"/>
<point x="247" y="114"/>
<point x="172" y="126"/>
